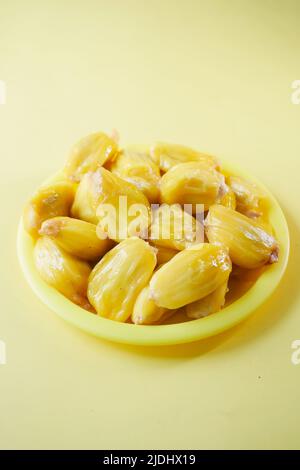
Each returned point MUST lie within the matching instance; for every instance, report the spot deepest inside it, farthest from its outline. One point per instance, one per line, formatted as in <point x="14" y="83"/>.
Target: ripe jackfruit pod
<point x="249" y="198"/>
<point x="250" y="244"/>
<point x="192" y="183"/>
<point x="172" y="227"/>
<point x="146" y="312"/>
<point x="77" y="237"/>
<point x="212" y="303"/>
<point x="191" y="275"/>
<point x="90" y="153"/>
<point x="117" y="206"/>
<point x="49" y="201"/>
<point x="139" y="169"/>
<point x="166" y="156"/>
<point x="62" y="271"/>
<point x="118" y="278"/>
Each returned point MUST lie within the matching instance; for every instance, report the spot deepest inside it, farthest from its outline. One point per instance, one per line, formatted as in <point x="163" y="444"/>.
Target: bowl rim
<point x="157" y="335"/>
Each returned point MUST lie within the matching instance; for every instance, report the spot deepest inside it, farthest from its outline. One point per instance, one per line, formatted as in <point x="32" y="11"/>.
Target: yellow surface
<point x="213" y="74"/>
<point x="164" y="334"/>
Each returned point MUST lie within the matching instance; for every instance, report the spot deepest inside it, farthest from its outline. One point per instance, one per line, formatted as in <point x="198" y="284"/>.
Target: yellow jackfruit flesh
<point x="118" y="278"/>
<point x="139" y="169"/>
<point x="212" y="303"/>
<point x="90" y="153"/>
<point x="115" y="205"/>
<point x="191" y="275"/>
<point x="228" y="199"/>
<point x="166" y="156"/>
<point x="51" y="200"/>
<point x="192" y="183"/>
<point x="164" y="254"/>
<point x="249" y="198"/>
<point x="171" y="227"/>
<point x="62" y="271"/>
<point x="250" y="244"/>
<point x="103" y="196"/>
<point x="146" y="312"/>
<point x="77" y="237"/>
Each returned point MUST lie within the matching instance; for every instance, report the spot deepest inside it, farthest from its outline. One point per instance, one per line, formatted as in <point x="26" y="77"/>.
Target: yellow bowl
<point x="164" y="334"/>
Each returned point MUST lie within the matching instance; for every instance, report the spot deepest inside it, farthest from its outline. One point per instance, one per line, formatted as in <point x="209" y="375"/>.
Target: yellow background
<point x="213" y="74"/>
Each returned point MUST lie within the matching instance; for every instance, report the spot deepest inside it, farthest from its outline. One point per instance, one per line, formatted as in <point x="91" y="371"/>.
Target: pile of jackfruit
<point x="129" y="268"/>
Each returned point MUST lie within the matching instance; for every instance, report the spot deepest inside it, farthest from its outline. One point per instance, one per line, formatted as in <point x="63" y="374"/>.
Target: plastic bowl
<point x="165" y="334"/>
